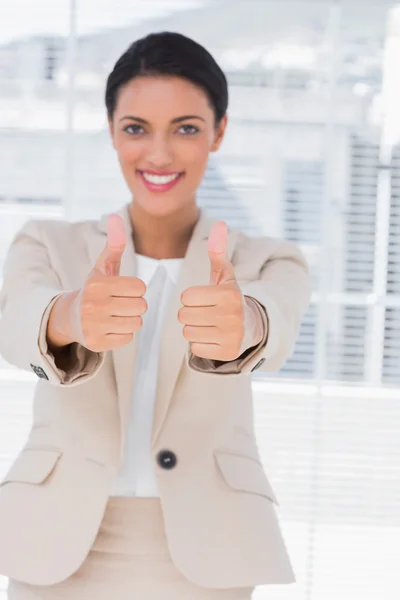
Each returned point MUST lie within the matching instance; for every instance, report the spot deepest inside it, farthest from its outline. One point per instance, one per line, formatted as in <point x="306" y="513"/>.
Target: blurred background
<point x="312" y="155"/>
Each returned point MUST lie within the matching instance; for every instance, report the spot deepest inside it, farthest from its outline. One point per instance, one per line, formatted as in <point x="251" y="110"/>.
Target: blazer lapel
<point x="195" y="271"/>
<point x="123" y="357"/>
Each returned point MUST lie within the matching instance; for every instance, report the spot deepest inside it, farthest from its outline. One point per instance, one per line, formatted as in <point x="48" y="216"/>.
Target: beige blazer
<point x="218" y="504"/>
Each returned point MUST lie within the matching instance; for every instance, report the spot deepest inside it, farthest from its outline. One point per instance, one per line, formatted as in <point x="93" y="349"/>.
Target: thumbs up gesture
<point x="108" y="309"/>
<point x="215" y="316"/>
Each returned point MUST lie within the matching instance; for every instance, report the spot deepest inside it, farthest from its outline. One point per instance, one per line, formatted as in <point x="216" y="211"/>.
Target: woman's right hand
<point x="107" y="311"/>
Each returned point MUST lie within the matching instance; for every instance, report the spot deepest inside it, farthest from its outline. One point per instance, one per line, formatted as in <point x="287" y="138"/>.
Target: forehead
<point x="172" y="95"/>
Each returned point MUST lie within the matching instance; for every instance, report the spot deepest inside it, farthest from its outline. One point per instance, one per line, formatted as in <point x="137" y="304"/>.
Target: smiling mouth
<point x="159" y="179"/>
<point x="160" y="182"/>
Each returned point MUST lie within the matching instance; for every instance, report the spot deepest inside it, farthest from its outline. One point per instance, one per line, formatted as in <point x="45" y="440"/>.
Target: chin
<point x="160" y="205"/>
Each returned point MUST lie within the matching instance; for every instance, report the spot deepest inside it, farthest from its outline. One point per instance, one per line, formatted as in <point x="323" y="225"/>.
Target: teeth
<point x="159" y="179"/>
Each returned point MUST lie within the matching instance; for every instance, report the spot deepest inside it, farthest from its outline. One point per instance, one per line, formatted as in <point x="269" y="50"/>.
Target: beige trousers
<point x="129" y="560"/>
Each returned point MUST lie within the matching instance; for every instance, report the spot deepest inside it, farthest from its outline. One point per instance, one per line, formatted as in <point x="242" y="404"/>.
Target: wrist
<point x="59" y="327"/>
<point x="253" y="325"/>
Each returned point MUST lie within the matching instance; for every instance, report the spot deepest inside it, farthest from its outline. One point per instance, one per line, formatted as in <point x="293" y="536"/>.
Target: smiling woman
<point x="141" y="484"/>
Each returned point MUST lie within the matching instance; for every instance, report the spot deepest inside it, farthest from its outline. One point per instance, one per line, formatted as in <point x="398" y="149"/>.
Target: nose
<point x="159" y="153"/>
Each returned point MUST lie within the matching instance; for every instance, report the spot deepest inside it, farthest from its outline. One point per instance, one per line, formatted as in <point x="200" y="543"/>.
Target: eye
<point x="188" y="129"/>
<point x="135" y="129"/>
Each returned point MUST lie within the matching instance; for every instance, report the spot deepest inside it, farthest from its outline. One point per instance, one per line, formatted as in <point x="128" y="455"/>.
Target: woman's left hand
<point x="219" y="322"/>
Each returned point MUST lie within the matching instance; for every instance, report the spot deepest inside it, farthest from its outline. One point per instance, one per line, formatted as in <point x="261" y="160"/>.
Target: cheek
<point x="129" y="152"/>
<point x="194" y="154"/>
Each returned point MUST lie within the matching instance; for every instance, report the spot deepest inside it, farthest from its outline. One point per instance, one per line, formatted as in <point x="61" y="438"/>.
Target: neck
<point x="167" y="236"/>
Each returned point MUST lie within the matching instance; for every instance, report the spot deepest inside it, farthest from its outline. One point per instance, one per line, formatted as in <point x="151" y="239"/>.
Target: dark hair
<point x="169" y="53"/>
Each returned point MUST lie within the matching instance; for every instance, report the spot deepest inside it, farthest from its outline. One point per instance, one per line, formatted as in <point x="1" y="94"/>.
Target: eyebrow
<point x="177" y="120"/>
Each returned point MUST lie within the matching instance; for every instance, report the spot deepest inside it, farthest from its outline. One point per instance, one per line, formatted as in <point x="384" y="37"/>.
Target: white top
<point x="136" y="476"/>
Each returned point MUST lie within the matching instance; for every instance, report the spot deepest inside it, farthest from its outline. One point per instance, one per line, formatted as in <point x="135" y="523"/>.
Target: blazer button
<point x="39" y="371"/>
<point x="166" y="459"/>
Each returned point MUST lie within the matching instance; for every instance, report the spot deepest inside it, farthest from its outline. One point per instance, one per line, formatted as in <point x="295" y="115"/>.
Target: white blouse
<point x="136" y="476"/>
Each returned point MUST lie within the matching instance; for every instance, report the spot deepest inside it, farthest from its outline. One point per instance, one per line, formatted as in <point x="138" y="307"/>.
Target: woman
<point x="141" y="476"/>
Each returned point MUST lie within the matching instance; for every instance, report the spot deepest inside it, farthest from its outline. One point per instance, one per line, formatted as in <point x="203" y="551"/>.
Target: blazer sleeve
<point x="30" y="288"/>
<point x="282" y="293"/>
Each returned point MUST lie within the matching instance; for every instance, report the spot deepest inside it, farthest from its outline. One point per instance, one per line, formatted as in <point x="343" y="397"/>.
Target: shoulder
<point x="260" y="250"/>
<point x="255" y="256"/>
<point x="53" y="232"/>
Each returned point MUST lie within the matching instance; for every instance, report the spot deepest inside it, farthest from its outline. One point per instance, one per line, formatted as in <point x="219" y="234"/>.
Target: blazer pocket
<point x="33" y="465"/>
<point x="245" y="474"/>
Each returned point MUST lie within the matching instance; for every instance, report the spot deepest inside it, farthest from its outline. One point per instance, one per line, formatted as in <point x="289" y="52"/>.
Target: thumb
<point x="222" y="270"/>
<point x="109" y="261"/>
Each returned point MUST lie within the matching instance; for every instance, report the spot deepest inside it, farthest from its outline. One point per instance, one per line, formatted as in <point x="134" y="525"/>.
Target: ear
<point x="219" y="134"/>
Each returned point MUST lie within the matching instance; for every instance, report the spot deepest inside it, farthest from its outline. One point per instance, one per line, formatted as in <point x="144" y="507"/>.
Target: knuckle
<point x="94" y="284"/>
